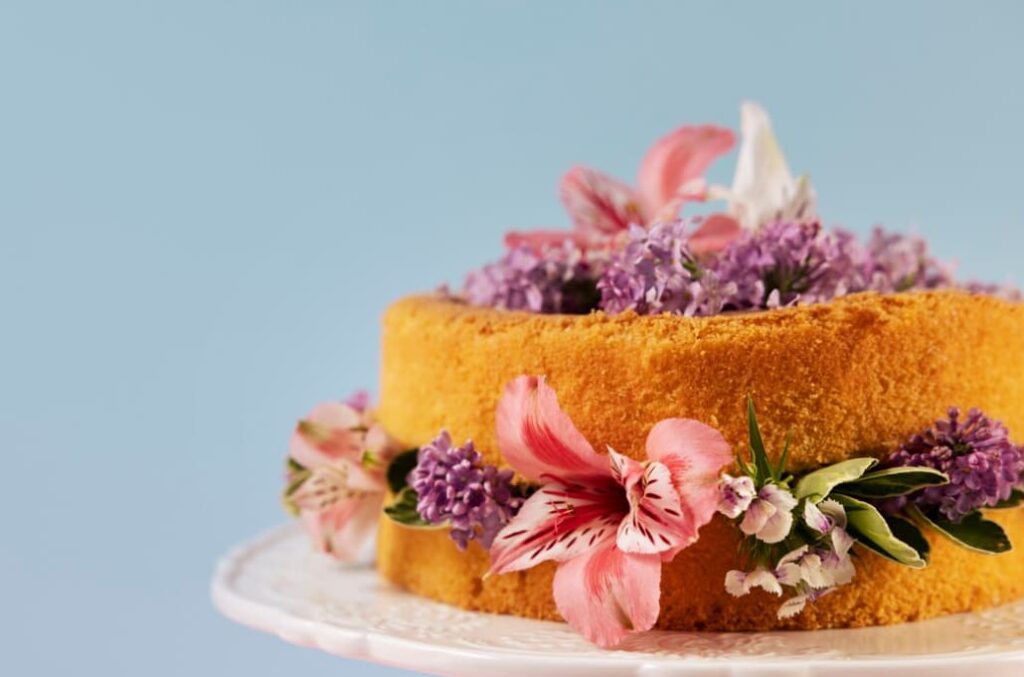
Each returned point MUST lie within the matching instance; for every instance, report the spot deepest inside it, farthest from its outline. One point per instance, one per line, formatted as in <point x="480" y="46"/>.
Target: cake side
<point x="853" y="377"/>
<point x="956" y="580"/>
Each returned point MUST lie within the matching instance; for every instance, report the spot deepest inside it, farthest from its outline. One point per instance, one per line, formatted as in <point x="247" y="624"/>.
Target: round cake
<point x="746" y="420"/>
<point x="854" y="377"/>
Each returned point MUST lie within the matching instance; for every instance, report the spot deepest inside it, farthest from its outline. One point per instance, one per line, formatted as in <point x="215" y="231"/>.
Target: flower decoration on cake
<point x="337" y="460"/>
<point x="608" y="520"/>
<point x="768" y="248"/>
<point x="985" y="471"/>
<point x="603" y="208"/>
<point x="455" y="487"/>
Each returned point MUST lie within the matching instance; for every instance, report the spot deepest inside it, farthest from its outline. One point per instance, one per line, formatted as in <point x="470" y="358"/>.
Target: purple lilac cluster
<point x="784" y="264"/>
<point x="556" y="280"/>
<point x="656" y="272"/>
<point x="895" y="263"/>
<point x="983" y="466"/>
<point x="779" y="265"/>
<point x="455" y="487"/>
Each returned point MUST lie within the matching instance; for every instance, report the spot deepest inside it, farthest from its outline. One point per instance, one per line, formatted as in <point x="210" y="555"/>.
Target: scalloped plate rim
<point x="411" y="654"/>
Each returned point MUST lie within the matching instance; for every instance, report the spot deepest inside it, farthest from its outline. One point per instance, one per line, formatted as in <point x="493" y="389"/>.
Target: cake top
<point x="633" y="249"/>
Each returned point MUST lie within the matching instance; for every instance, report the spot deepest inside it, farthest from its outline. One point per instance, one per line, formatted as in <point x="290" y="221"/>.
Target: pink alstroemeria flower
<point x="608" y="520"/>
<point x="339" y="459"/>
<point x="672" y="173"/>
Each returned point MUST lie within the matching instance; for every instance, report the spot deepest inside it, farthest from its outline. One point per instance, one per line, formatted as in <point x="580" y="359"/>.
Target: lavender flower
<point x="983" y="466"/>
<point x="455" y="487"/>
<point x="556" y="280"/>
<point x="896" y="263"/>
<point x="656" y="272"/>
<point x="786" y="263"/>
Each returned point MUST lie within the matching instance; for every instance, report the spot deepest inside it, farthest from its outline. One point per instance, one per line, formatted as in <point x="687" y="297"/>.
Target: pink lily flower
<point x="608" y="520"/>
<point x="337" y="481"/>
<point x="603" y="208"/>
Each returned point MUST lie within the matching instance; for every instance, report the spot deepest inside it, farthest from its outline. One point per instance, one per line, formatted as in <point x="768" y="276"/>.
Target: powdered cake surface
<point x="853" y="377"/>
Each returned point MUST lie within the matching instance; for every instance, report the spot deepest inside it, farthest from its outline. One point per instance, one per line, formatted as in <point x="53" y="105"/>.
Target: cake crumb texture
<point x="853" y="377"/>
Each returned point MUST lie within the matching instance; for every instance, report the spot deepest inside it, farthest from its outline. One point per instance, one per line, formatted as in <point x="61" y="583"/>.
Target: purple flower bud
<point x="983" y="466"/>
<point x="455" y="487"/>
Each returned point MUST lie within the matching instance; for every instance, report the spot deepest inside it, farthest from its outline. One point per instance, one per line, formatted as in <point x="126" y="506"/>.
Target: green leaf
<point x="818" y="484"/>
<point x="973" y="532"/>
<point x="893" y="482"/>
<point x="403" y="510"/>
<point x="780" y="469"/>
<point x="757" y="450"/>
<point x="867" y="525"/>
<point x="1014" y="501"/>
<point x="907" y="531"/>
<point x="400" y="468"/>
<point x="297" y="475"/>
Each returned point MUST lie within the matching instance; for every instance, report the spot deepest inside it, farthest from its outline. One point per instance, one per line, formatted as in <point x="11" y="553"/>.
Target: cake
<point x="737" y="422"/>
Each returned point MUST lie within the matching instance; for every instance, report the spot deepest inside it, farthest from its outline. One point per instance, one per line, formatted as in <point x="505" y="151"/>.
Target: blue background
<point x="205" y="206"/>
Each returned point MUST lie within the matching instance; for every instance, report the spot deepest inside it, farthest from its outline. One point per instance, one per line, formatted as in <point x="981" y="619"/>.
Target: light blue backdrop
<point x="205" y="206"/>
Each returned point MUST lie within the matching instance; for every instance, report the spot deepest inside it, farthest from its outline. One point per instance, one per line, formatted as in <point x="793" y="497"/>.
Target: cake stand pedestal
<point x="276" y="584"/>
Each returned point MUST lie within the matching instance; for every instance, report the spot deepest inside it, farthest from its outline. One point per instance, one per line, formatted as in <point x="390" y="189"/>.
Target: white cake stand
<point x="276" y="584"/>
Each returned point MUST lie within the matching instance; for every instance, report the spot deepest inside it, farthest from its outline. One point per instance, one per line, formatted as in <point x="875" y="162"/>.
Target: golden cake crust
<point x="856" y="376"/>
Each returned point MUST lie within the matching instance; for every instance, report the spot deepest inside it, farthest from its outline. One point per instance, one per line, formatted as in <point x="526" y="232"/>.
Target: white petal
<point x="792" y="606"/>
<point x="764" y="579"/>
<point x="736" y="494"/>
<point x="763" y="187"/>
<point x="757" y="515"/>
<point x="841" y="541"/>
<point x="813" y="572"/>
<point x="788" y="574"/>
<point x="735" y="583"/>
<point x="777" y="528"/>
<point x="794" y="556"/>
<point x="834" y="511"/>
<point x="816" y="519"/>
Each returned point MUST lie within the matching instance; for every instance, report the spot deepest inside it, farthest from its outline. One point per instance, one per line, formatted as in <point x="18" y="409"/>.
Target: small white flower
<point x="829" y="518"/>
<point x="738" y="583"/>
<point x="770" y="516"/>
<point x="792" y="606"/>
<point x="735" y="495"/>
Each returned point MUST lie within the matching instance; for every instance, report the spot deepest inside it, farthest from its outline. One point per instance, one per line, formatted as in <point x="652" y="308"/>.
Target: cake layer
<point x="856" y="376"/>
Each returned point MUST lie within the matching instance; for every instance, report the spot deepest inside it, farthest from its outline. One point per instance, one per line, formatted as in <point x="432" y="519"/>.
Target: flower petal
<point x="757" y="516"/>
<point x="327" y="434"/>
<point x="816" y="519"/>
<point x="558" y="522"/>
<point x="597" y="203"/>
<point x="770" y="516"/>
<point x="657" y="523"/>
<point x="763" y="188"/>
<point x="792" y="606"/>
<point x="694" y="454"/>
<point x="605" y="594"/>
<point x="341" y="530"/>
<point x="714" y="234"/>
<point x="539" y="440"/>
<point x="674" y="161"/>
<point x="764" y="579"/>
<point x="736" y="583"/>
